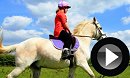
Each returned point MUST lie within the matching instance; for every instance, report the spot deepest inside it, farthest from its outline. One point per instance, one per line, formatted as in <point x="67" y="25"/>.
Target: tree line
<point x="7" y="60"/>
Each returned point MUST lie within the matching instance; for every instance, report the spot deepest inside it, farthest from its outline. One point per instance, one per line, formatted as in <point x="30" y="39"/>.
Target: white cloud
<point x="36" y="1"/>
<point x="122" y="35"/>
<point x="42" y="9"/>
<point x="74" y="19"/>
<point x="45" y="22"/>
<point x="95" y="6"/>
<point x="16" y="22"/>
<point x="86" y="6"/>
<point x="126" y="20"/>
<point x="11" y="37"/>
<point x="128" y="9"/>
<point x="46" y="31"/>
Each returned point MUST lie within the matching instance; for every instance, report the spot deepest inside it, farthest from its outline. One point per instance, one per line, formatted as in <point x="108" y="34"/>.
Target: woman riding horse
<point x="62" y="30"/>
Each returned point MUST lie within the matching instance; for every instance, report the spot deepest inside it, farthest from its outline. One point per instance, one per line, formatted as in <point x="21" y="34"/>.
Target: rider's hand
<point x="70" y="33"/>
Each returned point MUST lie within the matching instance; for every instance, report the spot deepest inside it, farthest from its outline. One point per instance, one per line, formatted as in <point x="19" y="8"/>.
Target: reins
<point x="84" y="36"/>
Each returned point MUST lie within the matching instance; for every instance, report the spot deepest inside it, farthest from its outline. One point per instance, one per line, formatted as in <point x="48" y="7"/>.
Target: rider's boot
<point x="65" y="53"/>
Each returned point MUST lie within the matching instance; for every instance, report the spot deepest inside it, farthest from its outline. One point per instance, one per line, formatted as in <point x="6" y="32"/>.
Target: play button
<point x="110" y="56"/>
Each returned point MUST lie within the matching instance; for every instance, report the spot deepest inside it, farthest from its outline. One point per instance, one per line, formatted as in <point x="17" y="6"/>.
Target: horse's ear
<point x="94" y="19"/>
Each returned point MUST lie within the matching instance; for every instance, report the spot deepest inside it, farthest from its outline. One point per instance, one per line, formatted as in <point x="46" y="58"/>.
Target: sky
<point x="24" y="19"/>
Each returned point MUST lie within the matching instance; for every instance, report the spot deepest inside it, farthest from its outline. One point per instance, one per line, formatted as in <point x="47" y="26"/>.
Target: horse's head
<point x="90" y="29"/>
<point x="98" y="32"/>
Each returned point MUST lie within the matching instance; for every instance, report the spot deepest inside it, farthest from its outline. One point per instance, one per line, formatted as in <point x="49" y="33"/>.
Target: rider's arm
<point x="64" y="22"/>
<point x="66" y="27"/>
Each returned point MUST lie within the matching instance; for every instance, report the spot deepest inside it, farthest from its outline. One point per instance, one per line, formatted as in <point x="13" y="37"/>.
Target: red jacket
<point x="60" y="19"/>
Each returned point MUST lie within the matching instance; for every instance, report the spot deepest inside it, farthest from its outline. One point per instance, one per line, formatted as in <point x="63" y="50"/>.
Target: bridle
<point x="98" y="31"/>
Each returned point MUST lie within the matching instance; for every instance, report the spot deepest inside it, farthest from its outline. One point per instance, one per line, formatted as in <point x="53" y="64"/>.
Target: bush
<point x="7" y="60"/>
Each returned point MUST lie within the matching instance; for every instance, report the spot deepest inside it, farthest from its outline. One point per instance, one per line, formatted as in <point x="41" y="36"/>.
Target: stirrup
<point x="65" y="53"/>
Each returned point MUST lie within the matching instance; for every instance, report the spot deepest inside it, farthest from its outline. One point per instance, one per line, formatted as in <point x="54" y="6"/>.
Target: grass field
<point x="59" y="73"/>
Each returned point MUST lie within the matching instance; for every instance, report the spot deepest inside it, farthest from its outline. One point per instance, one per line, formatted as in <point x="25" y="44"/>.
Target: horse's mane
<point x="80" y="26"/>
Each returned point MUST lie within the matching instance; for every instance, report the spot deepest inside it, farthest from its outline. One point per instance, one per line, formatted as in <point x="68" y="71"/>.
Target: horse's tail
<point x="5" y="49"/>
<point x="8" y="49"/>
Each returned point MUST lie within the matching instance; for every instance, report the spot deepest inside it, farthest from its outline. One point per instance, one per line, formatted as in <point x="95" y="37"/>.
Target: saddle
<point x="58" y="44"/>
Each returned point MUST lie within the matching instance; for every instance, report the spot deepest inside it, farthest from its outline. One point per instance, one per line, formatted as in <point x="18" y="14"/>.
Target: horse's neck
<point x="85" y="44"/>
<point x="85" y="41"/>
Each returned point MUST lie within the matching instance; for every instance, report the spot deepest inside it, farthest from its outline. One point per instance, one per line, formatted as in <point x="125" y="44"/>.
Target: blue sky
<point x="23" y="19"/>
<point x="10" y="8"/>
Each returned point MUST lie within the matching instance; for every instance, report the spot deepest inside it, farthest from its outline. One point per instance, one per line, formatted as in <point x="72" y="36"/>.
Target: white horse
<point x="38" y="53"/>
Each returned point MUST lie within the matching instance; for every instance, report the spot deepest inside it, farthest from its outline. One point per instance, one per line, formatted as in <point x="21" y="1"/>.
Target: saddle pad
<point x="59" y="44"/>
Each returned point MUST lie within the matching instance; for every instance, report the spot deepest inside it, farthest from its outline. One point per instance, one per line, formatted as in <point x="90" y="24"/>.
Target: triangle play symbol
<point x="110" y="57"/>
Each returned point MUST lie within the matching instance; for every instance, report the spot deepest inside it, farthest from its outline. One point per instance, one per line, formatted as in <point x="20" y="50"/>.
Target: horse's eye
<point x="100" y="28"/>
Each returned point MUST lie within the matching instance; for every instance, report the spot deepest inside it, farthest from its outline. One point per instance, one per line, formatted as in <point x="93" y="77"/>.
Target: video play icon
<point x="110" y="56"/>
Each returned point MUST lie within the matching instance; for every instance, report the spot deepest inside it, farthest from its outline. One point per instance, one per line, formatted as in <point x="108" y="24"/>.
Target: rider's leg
<point x="67" y="39"/>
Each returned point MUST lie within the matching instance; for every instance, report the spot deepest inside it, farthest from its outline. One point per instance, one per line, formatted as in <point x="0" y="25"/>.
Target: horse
<point x="38" y="53"/>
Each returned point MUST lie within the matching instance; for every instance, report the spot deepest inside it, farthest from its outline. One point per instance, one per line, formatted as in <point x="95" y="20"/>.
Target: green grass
<point x="59" y="73"/>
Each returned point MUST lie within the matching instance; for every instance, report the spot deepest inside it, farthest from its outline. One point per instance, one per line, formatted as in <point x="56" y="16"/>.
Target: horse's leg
<point x="36" y="72"/>
<point x="21" y="65"/>
<point x="84" y="65"/>
<point x="16" y="72"/>
<point x="71" y="72"/>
